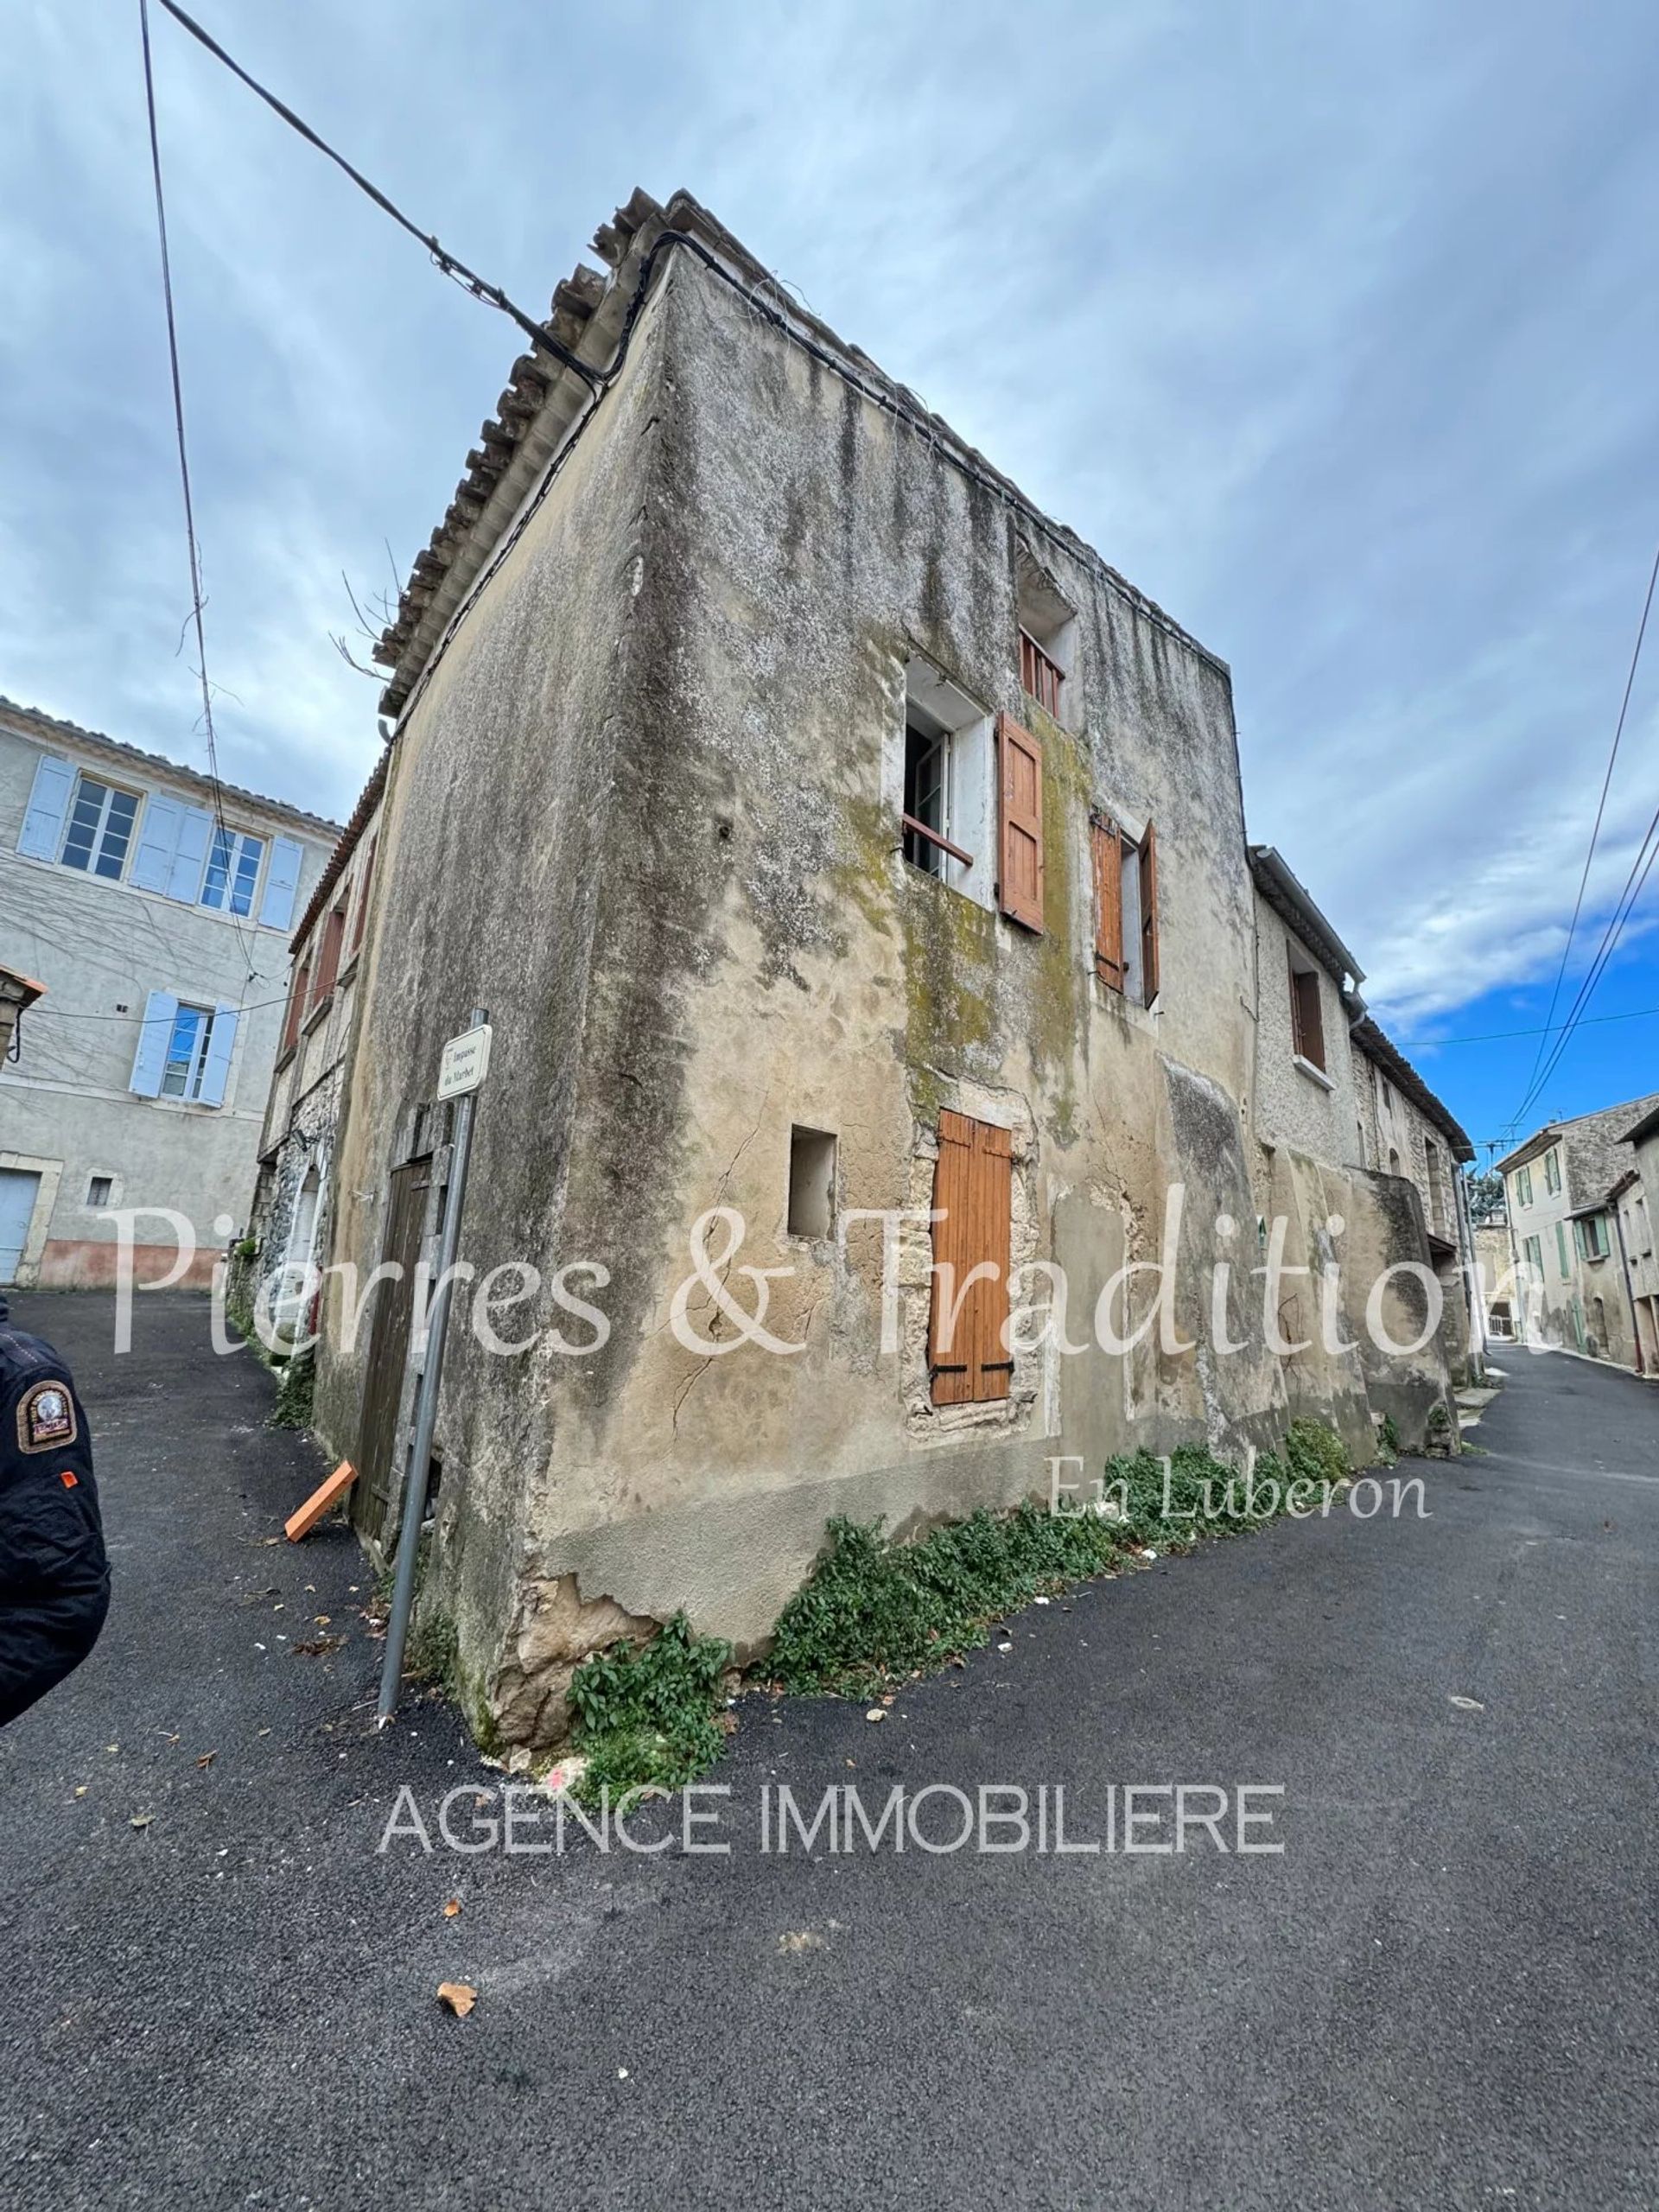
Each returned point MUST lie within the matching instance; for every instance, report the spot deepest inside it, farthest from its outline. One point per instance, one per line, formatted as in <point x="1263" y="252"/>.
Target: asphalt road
<point x="1444" y="1992"/>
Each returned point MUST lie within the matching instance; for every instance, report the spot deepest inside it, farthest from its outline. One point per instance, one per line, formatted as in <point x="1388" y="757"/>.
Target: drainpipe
<point x="1473" y="1289"/>
<point x="1629" y="1288"/>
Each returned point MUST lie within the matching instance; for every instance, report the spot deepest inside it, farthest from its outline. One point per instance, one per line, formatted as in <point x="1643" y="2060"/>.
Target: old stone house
<point x="289" y="1221"/>
<point x="1404" y="1130"/>
<point x="1564" y="1227"/>
<point x="833" y="840"/>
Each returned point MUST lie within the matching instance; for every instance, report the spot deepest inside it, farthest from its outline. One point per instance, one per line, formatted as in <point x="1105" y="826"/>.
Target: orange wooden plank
<point x="301" y="1523"/>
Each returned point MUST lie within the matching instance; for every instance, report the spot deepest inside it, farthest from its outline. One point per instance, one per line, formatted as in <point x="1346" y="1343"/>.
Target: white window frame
<point x="196" y="1066"/>
<point x="238" y="841"/>
<point x="100" y="830"/>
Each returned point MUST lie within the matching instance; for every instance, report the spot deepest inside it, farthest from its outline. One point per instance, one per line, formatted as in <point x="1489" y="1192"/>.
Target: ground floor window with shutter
<point x="1126" y="908"/>
<point x="968" y="1362"/>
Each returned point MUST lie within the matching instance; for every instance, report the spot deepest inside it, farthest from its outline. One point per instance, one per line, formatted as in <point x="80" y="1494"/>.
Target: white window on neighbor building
<point x="946" y="793"/>
<point x="233" y="871"/>
<point x="99" y="829"/>
<point x="184" y="1049"/>
<point x="187" y="1052"/>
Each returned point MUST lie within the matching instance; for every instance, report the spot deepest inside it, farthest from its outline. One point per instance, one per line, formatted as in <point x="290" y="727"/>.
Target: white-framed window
<point x="233" y="871"/>
<point x="946" y="796"/>
<point x="99" y="829"/>
<point x="187" y="1047"/>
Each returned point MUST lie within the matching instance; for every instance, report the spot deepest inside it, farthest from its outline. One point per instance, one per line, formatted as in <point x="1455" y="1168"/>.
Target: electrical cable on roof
<point x="184" y="470"/>
<point x="479" y="287"/>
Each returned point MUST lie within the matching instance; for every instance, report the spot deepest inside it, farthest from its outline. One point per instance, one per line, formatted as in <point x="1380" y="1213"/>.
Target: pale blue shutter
<point x="41" y="834"/>
<point x="218" y="1064"/>
<point x="149" y="1062"/>
<point x="282" y="881"/>
<point x="190" y="861"/>
<point x="158" y="843"/>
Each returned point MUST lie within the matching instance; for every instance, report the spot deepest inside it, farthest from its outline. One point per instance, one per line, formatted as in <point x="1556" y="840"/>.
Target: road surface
<point x="1444" y="1992"/>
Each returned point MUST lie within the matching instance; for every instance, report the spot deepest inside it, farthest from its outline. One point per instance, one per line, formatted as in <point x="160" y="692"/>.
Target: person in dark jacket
<point x="54" y="1580"/>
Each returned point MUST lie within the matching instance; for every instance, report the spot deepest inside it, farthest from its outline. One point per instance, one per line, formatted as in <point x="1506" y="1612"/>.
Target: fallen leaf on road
<point x="82" y="1790"/>
<point x="1467" y="1704"/>
<point x="319" y="1647"/>
<point x="141" y="1820"/>
<point x="875" y="1714"/>
<point x="800" y="1939"/>
<point x="459" y="1996"/>
<point x="452" y="1908"/>
<point x="1005" y="1646"/>
<point x="207" y="1758"/>
<point x="322" y="1620"/>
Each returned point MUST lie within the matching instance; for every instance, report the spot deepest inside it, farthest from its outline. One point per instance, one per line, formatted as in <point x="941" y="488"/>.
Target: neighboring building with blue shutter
<point x="156" y="920"/>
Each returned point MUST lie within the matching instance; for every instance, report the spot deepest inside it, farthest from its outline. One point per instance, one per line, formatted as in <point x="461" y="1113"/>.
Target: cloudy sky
<point x="1335" y="329"/>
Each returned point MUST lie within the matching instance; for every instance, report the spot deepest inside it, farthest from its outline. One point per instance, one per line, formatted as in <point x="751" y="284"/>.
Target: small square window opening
<point x="100" y="1190"/>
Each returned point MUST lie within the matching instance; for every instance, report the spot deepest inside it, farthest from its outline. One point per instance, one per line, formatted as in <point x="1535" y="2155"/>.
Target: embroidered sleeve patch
<point x="45" y="1418"/>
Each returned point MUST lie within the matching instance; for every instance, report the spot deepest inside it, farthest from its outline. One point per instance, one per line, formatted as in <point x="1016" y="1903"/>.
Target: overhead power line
<point x="1496" y="1036"/>
<point x="1533" y="1081"/>
<point x="469" y="280"/>
<point x="184" y="458"/>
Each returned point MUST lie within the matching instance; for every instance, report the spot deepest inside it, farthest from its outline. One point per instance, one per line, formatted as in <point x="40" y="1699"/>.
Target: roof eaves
<point x="544" y="402"/>
<point x="1371" y="1040"/>
<point x="1293" y="903"/>
<point x="10" y="711"/>
<point x="345" y="845"/>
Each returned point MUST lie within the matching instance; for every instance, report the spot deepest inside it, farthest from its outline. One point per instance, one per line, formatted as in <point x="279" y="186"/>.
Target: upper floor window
<point x="233" y="871"/>
<point x="1306" y="1018"/>
<point x="99" y="829"/>
<point x="1047" y="627"/>
<point x="1593" y="1237"/>
<point x="184" y="1051"/>
<point x="1552" y="1169"/>
<point x="1126" y="908"/>
<point x="946" y="797"/>
<point x="1523" y="1185"/>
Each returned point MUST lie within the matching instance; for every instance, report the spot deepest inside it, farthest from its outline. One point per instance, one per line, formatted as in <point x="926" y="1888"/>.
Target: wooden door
<point x="394" y="1308"/>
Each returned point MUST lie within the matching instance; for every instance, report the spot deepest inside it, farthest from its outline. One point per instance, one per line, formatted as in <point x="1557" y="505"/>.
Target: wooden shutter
<point x="216" y="1068"/>
<point x="1149" y="916"/>
<point x="158" y="843"/>
<point x="1295" y="1009"/>
<point x="973" y="1190"/>
<point x="1108" y="843"/>
<point x="184" y="879"/>
<point x="1019" y="887"/>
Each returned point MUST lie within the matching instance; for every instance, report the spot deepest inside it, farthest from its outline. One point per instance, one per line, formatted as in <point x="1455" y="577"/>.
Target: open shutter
<point x="161" y="1008"/>
<point x="972" y="1189"/>
<point x="190" y="858"/>
<point x="1108" y="844"/>
<point x="1149" y="916"/>
<point x="158" y="843"/>
<point x="41" y="834"/>
<point x="217" y="1065"/>
<point x="282" y="881"/>
<point x="1019" y="888"/>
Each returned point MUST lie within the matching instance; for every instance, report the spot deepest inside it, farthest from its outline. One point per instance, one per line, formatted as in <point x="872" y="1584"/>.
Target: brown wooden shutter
<point x="1108" y="843"/>
<point x="1295" y="1009"/>
<point x="973" y="1192"/>
<point x="1149" y="916"/>
<point x="1312" y="1021"/>
<point x="1019" y="887"/>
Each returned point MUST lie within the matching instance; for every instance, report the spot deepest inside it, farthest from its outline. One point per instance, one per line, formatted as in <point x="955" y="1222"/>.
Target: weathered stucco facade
<point x="645" y="806"/>
<point x="152" y="909"/>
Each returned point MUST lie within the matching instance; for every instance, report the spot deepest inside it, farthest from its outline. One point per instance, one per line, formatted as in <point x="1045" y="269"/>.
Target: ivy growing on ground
<point x="648" y="1715"/>
<point x="873" y="1611"/>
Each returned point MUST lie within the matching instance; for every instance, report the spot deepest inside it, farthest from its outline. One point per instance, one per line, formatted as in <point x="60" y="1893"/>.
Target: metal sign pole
<point x="426" y="1412"/>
